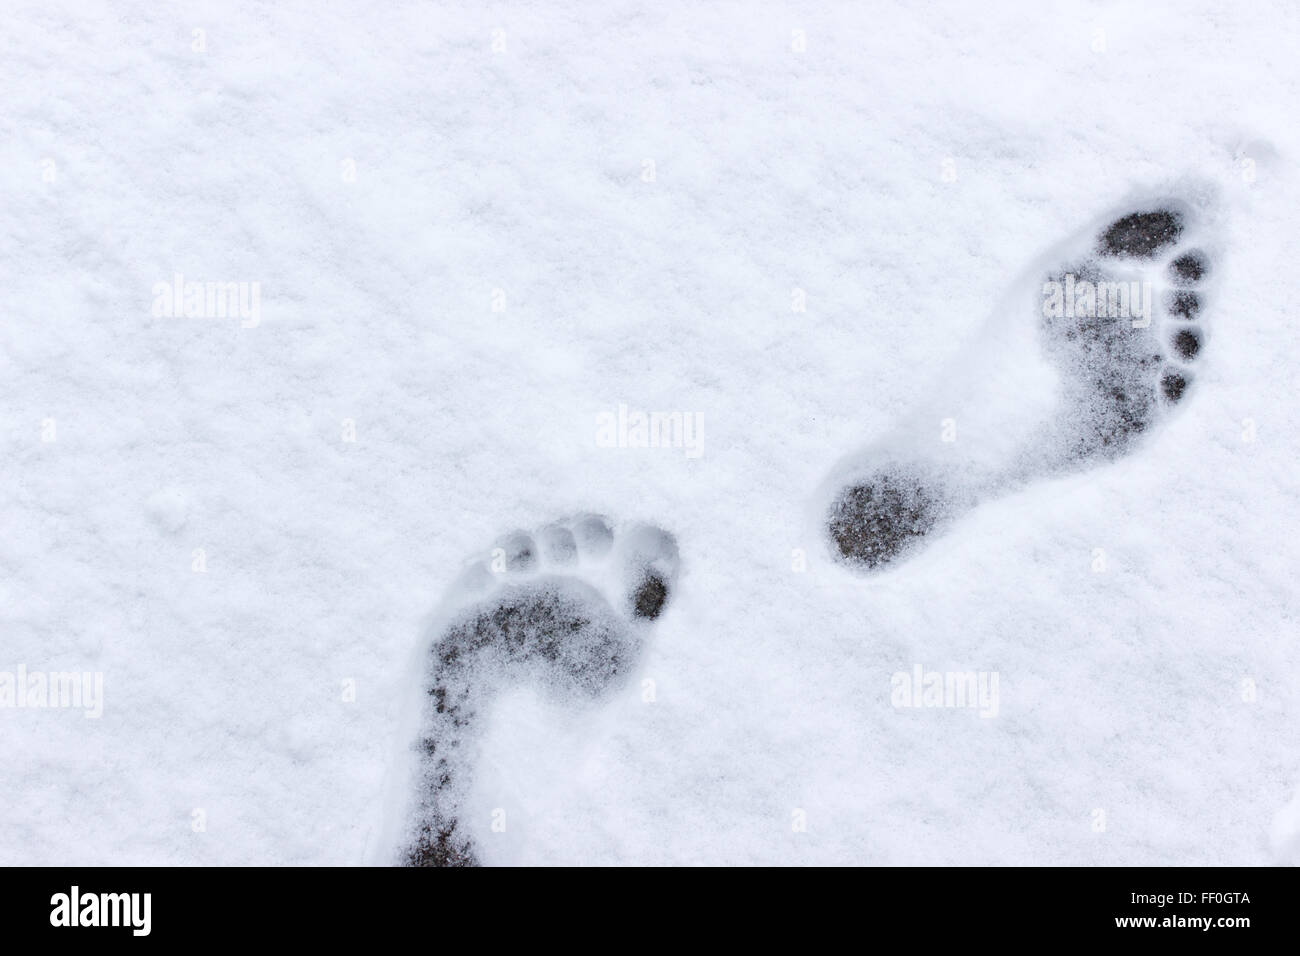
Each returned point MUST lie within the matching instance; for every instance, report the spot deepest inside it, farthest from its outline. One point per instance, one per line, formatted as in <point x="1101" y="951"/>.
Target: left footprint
<point x="566" y="609"/>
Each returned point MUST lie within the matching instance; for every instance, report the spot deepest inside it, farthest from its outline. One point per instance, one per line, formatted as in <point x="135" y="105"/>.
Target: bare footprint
<point x="566" y="609"/>
<point x="1091" y="351"/>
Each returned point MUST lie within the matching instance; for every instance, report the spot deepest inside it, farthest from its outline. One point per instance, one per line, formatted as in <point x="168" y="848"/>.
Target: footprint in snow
<point x="567" y="610"/>
<point x="1092" y="350"/>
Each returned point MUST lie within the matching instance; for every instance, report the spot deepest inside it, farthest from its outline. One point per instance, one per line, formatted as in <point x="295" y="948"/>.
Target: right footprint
<point x="565" y="609"/>
<point x="1074" y="373"/>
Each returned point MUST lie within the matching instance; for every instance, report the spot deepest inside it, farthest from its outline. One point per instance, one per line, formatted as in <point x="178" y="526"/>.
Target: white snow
<point x="468" y="255"/>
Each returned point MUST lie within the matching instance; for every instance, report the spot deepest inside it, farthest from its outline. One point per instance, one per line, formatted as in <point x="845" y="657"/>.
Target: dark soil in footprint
<point x="1187" y="343"/>
<point x="1142" y="234"/>
<point x="1189" y="267"/>
<point x="1183" y="305"/>
<point x="871" y="524"/>
<point x="649" y="599"/>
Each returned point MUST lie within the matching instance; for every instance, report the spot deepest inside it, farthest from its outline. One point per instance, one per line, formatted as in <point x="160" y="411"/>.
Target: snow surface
<point x="1161" y="691"/>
